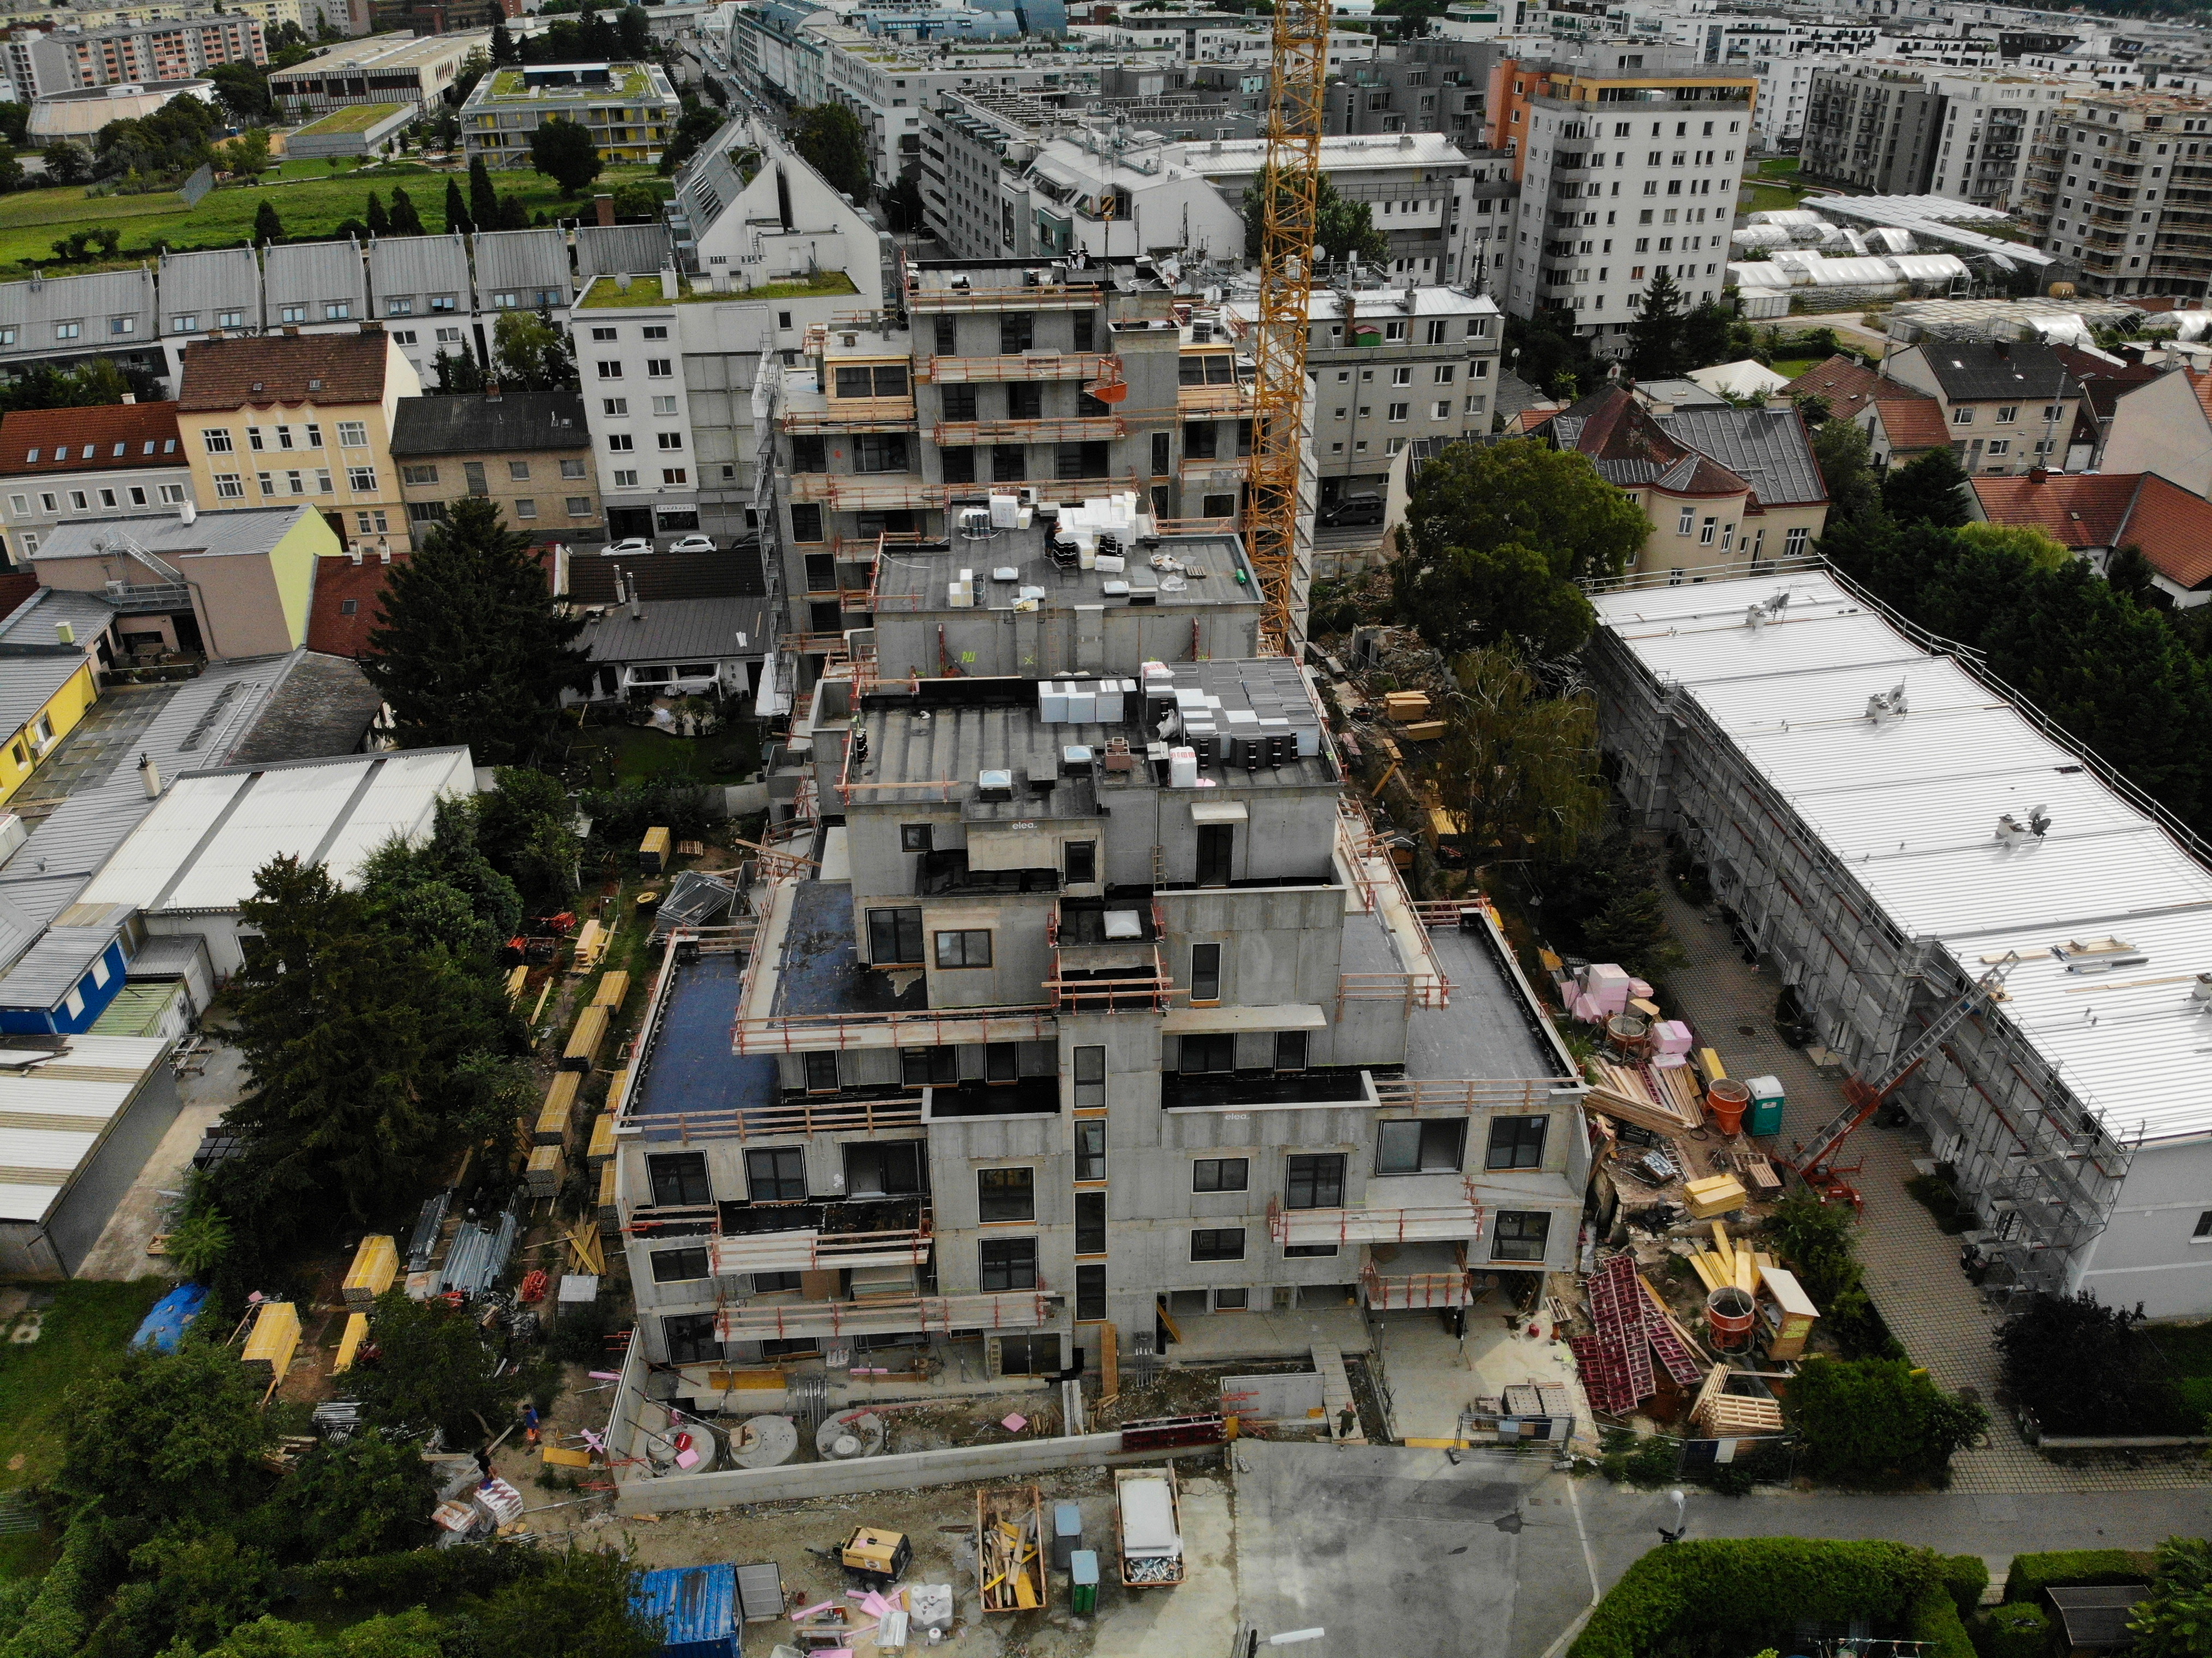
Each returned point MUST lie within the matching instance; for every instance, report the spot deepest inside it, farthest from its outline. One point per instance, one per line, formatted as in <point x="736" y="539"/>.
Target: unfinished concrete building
<point x="1080" y="1014"/>
<point x="1887" y="826"/>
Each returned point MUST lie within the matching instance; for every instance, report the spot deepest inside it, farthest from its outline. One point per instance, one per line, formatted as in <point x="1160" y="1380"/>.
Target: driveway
<point x="1396" y="1551"/>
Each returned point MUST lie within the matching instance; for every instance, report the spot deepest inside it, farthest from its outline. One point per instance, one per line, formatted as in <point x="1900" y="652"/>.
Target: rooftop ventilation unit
<point x="1766" y="610"/>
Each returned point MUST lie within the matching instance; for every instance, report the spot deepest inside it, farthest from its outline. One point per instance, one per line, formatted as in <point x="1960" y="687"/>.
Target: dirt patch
<point x="1179" y="1390"/>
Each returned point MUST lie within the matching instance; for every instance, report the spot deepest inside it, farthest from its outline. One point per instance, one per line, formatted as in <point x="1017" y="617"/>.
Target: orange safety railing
<point x="1407" y="1291"/>
<point x="1213" y="399"/>
<point x="1130" y="990"/>
<point x="1034" y="366"/>
<point x="1430" y="1223"/>
<point x="854" y="415"/>
<point x="817" y="1250"/>
<point x="933" y="1027"/>
<point x="964" y="434"/>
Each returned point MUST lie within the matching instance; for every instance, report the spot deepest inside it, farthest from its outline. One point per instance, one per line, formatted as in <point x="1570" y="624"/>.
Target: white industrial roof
<point x="1910" y="806"/>
<point x="200" y="846"/>
<point x="53" y="1112"/>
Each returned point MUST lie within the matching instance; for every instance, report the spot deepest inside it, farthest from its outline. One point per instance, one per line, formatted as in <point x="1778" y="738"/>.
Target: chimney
<point x="635" y="614"/>
<point x="65" y="632"/>
<point x="2037" y="475"/>
<point x="149" y="776"/>
<point x="130" y="397"/>
<point x="187" y="513"/>
<point x="2003" y="350"/>
<point x="604" y="207"/>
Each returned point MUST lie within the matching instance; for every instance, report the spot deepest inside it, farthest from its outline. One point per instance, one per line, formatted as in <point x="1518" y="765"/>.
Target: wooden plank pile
<point x="1632" y="1328"/>
<point x="1664" y="1100"/>
<point x="1725" y="1415"/>
<point x="1010" y="1561"/>
<point x="1726" y="1264"/>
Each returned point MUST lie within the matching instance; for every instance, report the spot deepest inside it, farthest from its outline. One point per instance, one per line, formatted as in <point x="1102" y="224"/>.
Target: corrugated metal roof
<point x="415" y="268"/>
<point x="680" y="629"/>
<point x="1911" y="807"/>
<point x="521" y="262"/>
<point x="88" y="1081"/>
<point x="689" y="1603"/>
<point x="311" y="273"/>
<point x="251" y="530"/>
<point x="201" y="286"/>
<point x="33" y="622"/>
<point x="53" y="967"/>
<point x="200" y="846"/>
<point x="27" y="683"/>
<point x="632" y="250"/>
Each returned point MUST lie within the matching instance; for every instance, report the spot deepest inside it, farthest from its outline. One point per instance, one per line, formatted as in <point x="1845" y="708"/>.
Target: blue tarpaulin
<point x="165" y="1325"/>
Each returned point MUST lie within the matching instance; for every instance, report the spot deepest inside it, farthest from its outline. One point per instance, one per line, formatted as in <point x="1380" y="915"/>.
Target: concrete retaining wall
<point x="728" y="1488"/>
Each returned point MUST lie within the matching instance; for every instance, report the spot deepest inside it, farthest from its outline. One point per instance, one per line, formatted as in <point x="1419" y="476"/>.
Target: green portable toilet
<point x="1764" y="1116"/>
<point x="1083" y="1573"/>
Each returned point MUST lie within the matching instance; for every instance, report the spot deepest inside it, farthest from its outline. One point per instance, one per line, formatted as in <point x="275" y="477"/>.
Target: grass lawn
<point x="308" y="195"/>
<point x="635" y="752"/>
<point x="607" y="295"/>
<point x="1769" y="198"/>
<point x="1794" y="366"/>
<point x="1782" y="167"/>
<point x="355" y="118"/>
<point x="88" y="1325"/>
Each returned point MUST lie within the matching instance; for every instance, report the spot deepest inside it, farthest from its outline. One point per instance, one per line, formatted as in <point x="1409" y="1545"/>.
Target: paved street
<point x="1395" y="1551"/>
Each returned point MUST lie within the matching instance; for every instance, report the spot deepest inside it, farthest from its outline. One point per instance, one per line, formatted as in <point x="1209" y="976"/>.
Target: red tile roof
<point x="1845" y="383"/>
<point x="109" y="437"/>
<point x="283" y="368"/>
<point x="1913" y="420"/>
<point x="2103" y="380"/>
<point x="2173" y="527"/>
<point x="16" y="587"/>
<point x="2082" y="511"/>
<point x="333" y="629"/>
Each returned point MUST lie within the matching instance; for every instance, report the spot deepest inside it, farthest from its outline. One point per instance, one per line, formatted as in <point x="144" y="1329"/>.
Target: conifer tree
<point x="405" y="221"/>
<point x="380" y="222"/>
<point x="457" y="210"/>
<point x="483" y="200"/>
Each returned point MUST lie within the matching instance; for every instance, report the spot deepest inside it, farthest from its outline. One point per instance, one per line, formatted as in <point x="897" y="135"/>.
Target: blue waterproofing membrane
<point x="165" y="1325"/>
<point x="696" y="1607"/>
<point x="691" y="1067"/>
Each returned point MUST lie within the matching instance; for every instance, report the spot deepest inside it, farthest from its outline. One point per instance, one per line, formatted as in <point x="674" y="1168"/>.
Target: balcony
<point x="820" y="1115"/>
<point x="1442" y="1223"/>
<point x="854" y="415"/>
<point x="1233" y="398"/>
<point x="1229" y="1090"/>
<point x="947" y="873"/>
<point x="1425" y="1276"/>
<point x="811" y="1237"/>
<point x="1014" y="1309"/>
<point x="141" y="599"/>
<point x="1043" y="296"/>
<point x="1028" y="366"/>
<point x="966" y="434"/>
<point x="894" y="491"/>
<point x="1021" y="1096"/>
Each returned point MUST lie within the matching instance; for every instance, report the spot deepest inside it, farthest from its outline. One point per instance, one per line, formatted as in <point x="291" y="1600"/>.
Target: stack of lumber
<point x="1010" y="1560"/>
<point x="591" y="1030"/>
<point x="609" y="1212"/>
<point x="1633" y="1094"/>
<point x="1725" y="1415"/>
<point x="1715" y="1194"/>
<point x="1727" y="1263"/>
<point x="275" y="1338"/>
<point x="592" y="941"/>
<point x="557" y="1119"/>
<point x="375" y="1265"/>
<point x="356" y="1332"/>
<point x="584" y="1246"/>
<point x="517" y="982"/>
<point x="614" y="985"/>
<point x="548" y="1169"/>
<point x="602" y="1146"/>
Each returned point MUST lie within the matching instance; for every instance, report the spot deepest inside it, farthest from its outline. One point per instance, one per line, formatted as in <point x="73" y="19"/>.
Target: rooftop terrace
<point x="1015" y="570"/>
<point x="607" y="293"/>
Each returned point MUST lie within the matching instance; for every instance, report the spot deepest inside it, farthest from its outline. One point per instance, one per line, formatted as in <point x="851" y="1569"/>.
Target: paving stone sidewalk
<point x="1912" y="1268"/>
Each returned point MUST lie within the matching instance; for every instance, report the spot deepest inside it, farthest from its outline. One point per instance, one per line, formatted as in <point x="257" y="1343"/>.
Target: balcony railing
<point x="1445" y="1222"/>
<point x="1232" y="398"/>
<point x="963" y="434"/>
<point x="854" y="415"/>
<point x="1415" y="1291"/>
<point x="1027" y="366"/>
<point x="1053" y="296"/>
<point x="890" y="493"/>
<point x="1013" y="1309"/>
<point x="152" y="596"/>
<point x="810" y="1249"/>
<point x="808" y="1117"/>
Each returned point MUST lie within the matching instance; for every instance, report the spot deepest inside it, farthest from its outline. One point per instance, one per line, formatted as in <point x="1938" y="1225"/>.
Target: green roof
<point x="356" y="118"/>
<point x="606" y="294"/>
<point x="630" y="80"/>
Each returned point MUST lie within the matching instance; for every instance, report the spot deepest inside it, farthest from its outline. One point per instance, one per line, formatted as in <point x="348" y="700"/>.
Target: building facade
<point x="119" y="460"/>
<point x="630" y="109"/>
<point x="2124" y="186"/>
<point x="382" y="69"/>
<point x="528" y="452"/>
<point x="1875" y="127"/>
<point x="183" y="49"/>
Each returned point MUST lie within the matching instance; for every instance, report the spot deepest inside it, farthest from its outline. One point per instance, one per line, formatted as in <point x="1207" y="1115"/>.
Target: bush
<point x="1877" y="1422"/>
<point x="2031" y="1573"/>
<point x="417" y="1575"/>
<point x="1967" y="1577"/>
<point x="1936" y="1195"/>
<point x="2015" y="1629"/>
<point x="55" y="1622"/>
<point x="2080" y="1367"/>
<point x="1818" y="1239"/>
<point x="1699" y="1589"/>
<point x="1934" y="1619"/>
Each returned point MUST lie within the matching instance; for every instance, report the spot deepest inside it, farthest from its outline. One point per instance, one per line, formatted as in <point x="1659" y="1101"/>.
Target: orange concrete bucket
<point x="1728" y="1313"/>
<point x="1727" y="1099"/>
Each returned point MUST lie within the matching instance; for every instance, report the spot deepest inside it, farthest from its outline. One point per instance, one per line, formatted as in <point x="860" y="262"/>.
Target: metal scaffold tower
<point x="1290" y="185"/>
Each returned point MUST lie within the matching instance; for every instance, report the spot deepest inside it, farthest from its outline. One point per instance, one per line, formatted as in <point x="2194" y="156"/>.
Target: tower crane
<point x="1288" y="187"/>
<point x="1815" y="1164"/>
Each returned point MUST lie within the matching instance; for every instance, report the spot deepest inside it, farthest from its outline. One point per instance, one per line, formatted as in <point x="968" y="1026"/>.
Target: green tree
<point x="405" y="221"/>
<point x="2174" y="1620"/>
<point x="2129" y="573"/>
<point x="584" y="1606"/>
<point x="2038" y="548"/>
<point x="564" y="152"/>
<point x="1631" y="931"/>
<point x="1854" y="492"/>
<point x="445" y="874"/>
<point x="380" y="222"/>
<point x="12" y="175"/>
<point x="483" y="200"/>
<point x="637" y="200"/>
<point x="469" y="647"/>
<point x="1342" y="229"/>
<point x="1880" y="1422"/>
<point x="372" y="1495"/>
<point x="828" y="138"/>
<point x="433" y="1371"/>
<point x="1929" y="490"/>
<point x="457" y="375"/>
<point x="1708" y="337"/>
<point x="1548" y="354"/>
<point x="15" y="124"/>
<point x="502" y="44"/>
<point x="699" y="122"/>
<point x="531" y="353"/>
<point x="524" y="827"/>
<point x="2080" y="1367"/>
<point x="1518" y="767"/>
<point x="67" y="163"/>
<point x="1654" y="338"/>
<point x="267" y="226"/>
<point x="1497" y="539"/>
<point x="200" y="1241"/>
<point x="457" y="210"/>
<point x="165" y="1439"/>
<point x="247" y="156"/>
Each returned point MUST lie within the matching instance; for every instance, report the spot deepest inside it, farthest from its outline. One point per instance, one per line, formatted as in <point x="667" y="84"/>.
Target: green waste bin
<point x="1083" y="1570"/>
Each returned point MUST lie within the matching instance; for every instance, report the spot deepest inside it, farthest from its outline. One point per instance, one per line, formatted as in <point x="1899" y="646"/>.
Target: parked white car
<point x="694" y="544"/>
<point x="629" y="548"/>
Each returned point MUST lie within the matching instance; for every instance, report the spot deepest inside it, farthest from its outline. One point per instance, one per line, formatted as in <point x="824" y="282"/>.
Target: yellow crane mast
<point x="1289" y="186"/>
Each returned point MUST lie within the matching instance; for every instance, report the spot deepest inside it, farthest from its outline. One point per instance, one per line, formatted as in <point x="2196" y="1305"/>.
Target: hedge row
<point x="1967" y="1577"/>
<point x="1700" y="1587"/>
<point x="2015" y="1629"/>
<point x="59" y="1616"/>
<point x="414" y="1576"/>
<point x="2031" y="1573"/>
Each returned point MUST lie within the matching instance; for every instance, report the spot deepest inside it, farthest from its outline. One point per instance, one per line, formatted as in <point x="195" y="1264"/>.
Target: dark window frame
<point x="1091" y="1292"/>
<point x="1089" y="1223"/>
<point x="1220" y="1177"/>
<point x="1513" y="1237"/>
<point x="1003" y="1264"/>
<point x="1431" y="1133"/>
<point x="1091" y="1149"/>
<point x="963" y="949"/>
<point x="1089" y="1089"/>
<point x="1516" y="1142"/>
<point x="890" y="933"/>
<point x="672" y="1174"/>
<point x="773" y="1186"/>
<point x="1206" y="972"/>
<point x="1212" y="1244"/>
<point x="998" y="1199"/>
<point x="1314" y="1180"/>
<point x="691" y="1338"/>
<point x="677" y="1266"/>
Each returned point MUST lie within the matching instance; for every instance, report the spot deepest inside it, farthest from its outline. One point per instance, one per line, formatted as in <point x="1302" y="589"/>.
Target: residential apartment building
<point x="182" y="49"/>
<point x="630" y="109"/>
<point x="1075" y="1029"/>
<point x="528" y="452"/>
<point x="2010" y="404"/>
<point x="1721" y="487"/>
<point x="1393" y="367"/>
<point x="382" y="69"/>
<point x="302" y="418"/>
<point x="1413" y="86"/>
<point x="61" y="464"/>
<point x="1873" y="127"/>
<point x="1992" y="123"/>
<point x="1629" y="162"/>
<point x="1442" y="207"/>
<point x="2124" y="186"/>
